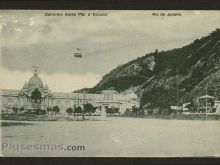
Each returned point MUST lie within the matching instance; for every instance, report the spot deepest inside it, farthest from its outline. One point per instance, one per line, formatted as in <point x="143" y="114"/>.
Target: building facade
<point x="35" y="95"/>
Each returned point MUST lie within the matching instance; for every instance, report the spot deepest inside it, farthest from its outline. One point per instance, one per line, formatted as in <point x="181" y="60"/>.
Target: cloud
<point x="58" y="82"/>
<point x="120" y="25"/>
<point x="30" y="37"/>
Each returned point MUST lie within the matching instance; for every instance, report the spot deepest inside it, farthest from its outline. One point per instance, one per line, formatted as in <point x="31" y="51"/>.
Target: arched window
<point x="36" y="95"/>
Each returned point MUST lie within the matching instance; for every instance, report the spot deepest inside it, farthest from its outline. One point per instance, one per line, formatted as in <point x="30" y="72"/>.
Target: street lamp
<point x="206" y="101"/>
<point x="177" y="90"/>
<point x="84" y="98"/>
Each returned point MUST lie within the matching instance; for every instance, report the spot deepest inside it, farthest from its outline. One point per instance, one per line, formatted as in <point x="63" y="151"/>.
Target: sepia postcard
<point x="109" y="83"/>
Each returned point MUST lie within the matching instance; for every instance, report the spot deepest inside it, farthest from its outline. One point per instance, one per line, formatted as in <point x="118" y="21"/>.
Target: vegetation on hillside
<point x="155" y="76"/>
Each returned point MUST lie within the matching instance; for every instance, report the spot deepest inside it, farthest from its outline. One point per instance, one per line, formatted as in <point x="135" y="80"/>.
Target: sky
<point x="30" y="38"/>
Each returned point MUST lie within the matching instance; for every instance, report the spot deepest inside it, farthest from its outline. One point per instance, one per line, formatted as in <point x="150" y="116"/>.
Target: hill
<point x="157" y="75"/>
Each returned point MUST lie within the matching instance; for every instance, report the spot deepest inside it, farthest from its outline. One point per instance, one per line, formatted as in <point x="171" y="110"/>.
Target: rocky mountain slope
<point x="155" y="76"/>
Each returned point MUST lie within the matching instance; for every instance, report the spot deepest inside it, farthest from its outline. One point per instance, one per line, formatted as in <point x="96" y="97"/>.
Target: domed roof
<point x="35" y="81"/>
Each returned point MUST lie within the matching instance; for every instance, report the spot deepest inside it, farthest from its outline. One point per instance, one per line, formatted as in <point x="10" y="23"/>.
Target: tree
<point x="56" y="109"/>
<point x="89" y="108"/>
<point x="116" y="110"/>
<point x="128" y="112"/>
<point x="15" y="109"/>
<point x="109" y="110"/>
<point x="43" y="112"/>
<point x="135" y="110"/>
<point x="74" y="113"/>
<point x="150" y="111"/>
<point x="78" y="110"/>
<point x="212" y="103"/>
<point x="93" y="109"/>
<point x="21" y="109"/>
<point x="146" y="108"/>
<point x="49" y="110"/>
<point x="69" y="111"/>
<point x="39" y="111"/>
<point x="193" y="107"/>
<point x="170" y="111"/>
<point x="112" y="110"/>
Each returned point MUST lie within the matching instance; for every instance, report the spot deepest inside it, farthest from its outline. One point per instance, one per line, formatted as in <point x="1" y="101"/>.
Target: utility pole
<point x="78" y="99"/>
<point x="206" y="101"/>
<point x="177" y="90"/>
<point x="84" y="98"/>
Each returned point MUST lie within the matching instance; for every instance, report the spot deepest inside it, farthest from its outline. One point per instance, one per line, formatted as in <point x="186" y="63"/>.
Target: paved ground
<point x="118" y="137"/>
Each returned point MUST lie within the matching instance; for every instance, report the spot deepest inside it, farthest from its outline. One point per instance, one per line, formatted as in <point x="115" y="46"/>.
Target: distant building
<point x="35" y="95"/>
<point x="177" y="108"/>
<point x="217" y="106"/>
<point x="185" y="106"/>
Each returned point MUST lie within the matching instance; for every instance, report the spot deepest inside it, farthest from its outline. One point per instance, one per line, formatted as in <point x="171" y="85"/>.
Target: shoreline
<point x="197" y="117"/>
